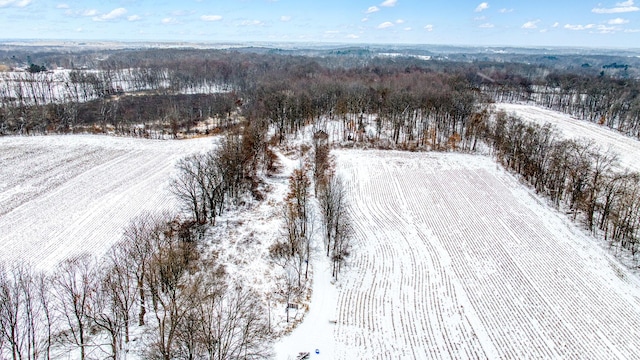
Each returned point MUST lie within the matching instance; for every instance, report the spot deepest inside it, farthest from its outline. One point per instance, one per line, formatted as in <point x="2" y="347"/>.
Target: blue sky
<point x="606" y="23"/>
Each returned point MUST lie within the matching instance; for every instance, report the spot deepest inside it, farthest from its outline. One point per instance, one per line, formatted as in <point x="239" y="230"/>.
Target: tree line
<point x="575" y="175"/>
<point x="326" y="195"/>
<point x="610" y="101"/>
<point x="425" y="104"/>
<point x="149" y="116"/>
<point x="156" y="278"/>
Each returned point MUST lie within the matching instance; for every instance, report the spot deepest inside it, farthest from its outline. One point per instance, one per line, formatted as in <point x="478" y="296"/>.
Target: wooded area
<point x="158" y="274"/>
<point x="426" y="104"/>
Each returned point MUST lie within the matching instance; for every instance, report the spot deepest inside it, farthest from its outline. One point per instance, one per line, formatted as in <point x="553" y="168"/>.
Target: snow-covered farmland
<point x="628" y="149"/>
<point x="65" y="194"/>
<point x="455" y="260"/>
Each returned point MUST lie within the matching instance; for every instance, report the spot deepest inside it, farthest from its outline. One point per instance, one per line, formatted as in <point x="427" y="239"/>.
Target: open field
<point x="628" y="149"/>
<point x="456" y="260"/>
<point x="61" y="195"/>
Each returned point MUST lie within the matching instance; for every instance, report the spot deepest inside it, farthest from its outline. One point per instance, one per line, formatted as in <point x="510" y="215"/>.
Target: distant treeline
<point x="142" y="115"/>
<point x="609" y="101"/>
<point x="427" y="103"/>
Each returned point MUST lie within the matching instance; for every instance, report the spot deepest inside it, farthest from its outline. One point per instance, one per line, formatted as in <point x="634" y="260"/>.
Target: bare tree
<point x="189" y="186"/>
<point x="294" y="250"/>
<point x="336" y="222"/>
<point x="44" y="293"/>
<point x="24" y="314"/>
<point x="114" y="299"/>
<point x="75" y="286"/>
<point x="138" y="247"/>
<point x="12" y="313"/>
<point x="288" y="287"/>
<point x="166" y="278"/>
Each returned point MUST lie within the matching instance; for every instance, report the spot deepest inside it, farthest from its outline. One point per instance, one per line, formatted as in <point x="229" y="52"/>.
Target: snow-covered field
<point x="61" y="195"/>
<point x="628" y="149"/>
<point x="456" y="260"/>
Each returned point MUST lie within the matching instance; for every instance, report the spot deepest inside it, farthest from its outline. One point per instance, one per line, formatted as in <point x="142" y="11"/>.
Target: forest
<point x="257" y="101"/>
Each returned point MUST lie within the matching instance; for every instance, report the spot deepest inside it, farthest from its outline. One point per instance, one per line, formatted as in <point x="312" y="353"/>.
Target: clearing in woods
<point x="455" y="259"/>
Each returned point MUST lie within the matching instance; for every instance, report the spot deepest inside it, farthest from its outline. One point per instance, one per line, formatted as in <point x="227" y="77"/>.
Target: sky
<point x="582" y="23"/>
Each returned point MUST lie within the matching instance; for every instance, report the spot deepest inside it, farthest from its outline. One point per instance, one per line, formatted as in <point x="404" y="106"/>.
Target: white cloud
<point x="556" y="24"/>
<point x="330" y="34"/>
<point x="483" y="6"/>
<point x="399" y="21"/>
<point x="62" y="6"/>
<point x="602" y="29"/>
<point x="112" y="15"/>
<point x="251" y="23"/>
<point x="179" y="13"/>
<point x="617" y="21"/>
<point x="505" y="11"/>
<point x="531" y="24"/>
<point x="621" y="7"/>
<point x="133" y="18"/>
<point x="90" y="12"/>
<point x="372" y="9"/>
<point x="285" y="18"/>
<point x="386" y="24"/>
<point x="579" y="27"/>
<point x="428" y="27"/>
<point x="365" y="19"/>
<point x="115" y="13"/>
<point x="407" y="29"/>
<point x="480" y="18"/>
<point x="168" y="21"/>
<point x="16" y="3"/>
<point x="632" y="30"/>
<point x="487" y="26"/>
<point x="211" y="17"/>
<point x="389" y="3"/>
<point x="352" y="36"/>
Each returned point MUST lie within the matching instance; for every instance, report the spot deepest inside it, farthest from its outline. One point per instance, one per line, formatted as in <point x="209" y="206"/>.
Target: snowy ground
<point x="316" y="331"/>
<point x="61" y="195"/>
<point x="456" y="260"/>
<point x="628" y="149"/>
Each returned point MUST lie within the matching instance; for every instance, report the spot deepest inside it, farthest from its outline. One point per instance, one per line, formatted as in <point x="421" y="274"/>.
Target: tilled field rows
<point x="455" y="260"/>
<point x="68" y="194"/>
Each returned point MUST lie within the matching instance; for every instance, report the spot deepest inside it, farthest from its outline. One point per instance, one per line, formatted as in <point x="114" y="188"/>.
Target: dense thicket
<point x="289" y="90"/>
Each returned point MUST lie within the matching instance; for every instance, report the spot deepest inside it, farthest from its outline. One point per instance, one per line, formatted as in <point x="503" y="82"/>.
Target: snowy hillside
<point x="628" y="149"/>
<point x="68" y="194"/>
